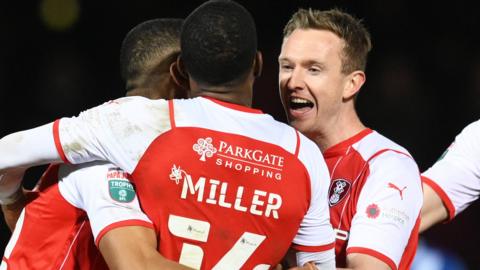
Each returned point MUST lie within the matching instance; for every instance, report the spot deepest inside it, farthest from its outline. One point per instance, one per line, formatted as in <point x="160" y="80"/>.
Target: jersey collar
<point x="340" y="147"/>
<point x="234" y="106"/>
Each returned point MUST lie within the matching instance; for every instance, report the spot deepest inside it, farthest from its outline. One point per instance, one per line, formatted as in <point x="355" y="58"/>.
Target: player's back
<point x="228" y="186"/>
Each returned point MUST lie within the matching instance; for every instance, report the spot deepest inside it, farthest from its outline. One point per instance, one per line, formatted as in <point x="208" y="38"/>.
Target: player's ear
<point x="354" y="82"/>
<point x="258" y="65"/>
<point x="179" y="75"/>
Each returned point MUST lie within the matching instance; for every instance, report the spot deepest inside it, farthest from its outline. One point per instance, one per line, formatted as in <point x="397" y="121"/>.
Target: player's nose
<point x="296" y="80"/>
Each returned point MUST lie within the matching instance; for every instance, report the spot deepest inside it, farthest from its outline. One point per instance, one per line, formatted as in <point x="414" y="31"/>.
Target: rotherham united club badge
<point x="338" y="190"/>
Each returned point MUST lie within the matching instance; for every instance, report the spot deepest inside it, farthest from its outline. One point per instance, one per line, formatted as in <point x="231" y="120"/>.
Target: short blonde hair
<point x="345" y="26"/>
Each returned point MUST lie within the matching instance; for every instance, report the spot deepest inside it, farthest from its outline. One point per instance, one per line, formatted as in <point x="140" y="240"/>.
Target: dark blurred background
<point x="59" y="57"/>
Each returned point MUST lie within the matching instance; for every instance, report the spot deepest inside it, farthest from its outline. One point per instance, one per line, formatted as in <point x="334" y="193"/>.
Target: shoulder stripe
<point x="373" y="253"/>
<point x="74" y="242"/>
<point x="123" y="223"/>
<point x="443" y="196"/>
<point x="171" y="113"/>
<point x="297" y="148"/>
<point x="58" y="144"/>
<point x="385" y="150"/>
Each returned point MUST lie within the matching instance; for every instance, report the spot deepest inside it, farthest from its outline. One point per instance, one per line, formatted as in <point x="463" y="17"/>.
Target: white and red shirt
<point x="54" y="232"/>
<point x="375" y="198"/>
<point x="455" y="177"/>
<point x="226" y="186"/>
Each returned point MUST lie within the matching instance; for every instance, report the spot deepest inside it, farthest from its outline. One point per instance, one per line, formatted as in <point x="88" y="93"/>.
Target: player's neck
<point x="338" y="130"/>
<point x="229" y="97"/>
<point x="241" y="94"/>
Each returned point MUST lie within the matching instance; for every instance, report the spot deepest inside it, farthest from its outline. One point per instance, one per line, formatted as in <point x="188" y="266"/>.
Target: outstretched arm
<point x="134" y="247"/>
<point x="453" y="182"/>
<point x="18" y="152"/>
<point x="355" y="261"/>
<point x="359" y="261"/>
<point x="433" y="210"/>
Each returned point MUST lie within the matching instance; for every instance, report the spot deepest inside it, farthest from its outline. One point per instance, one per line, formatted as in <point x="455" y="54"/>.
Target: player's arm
<point x="453" y="182"/>
<point x="18" y="152"/>
<point x="315" y="239"/>
<point x="385" y="226"/>
<point x="355" y="261"/>
<point x="123" y="233"/>
<point x="11" y="212"/>
<point x="71" y="140"/>
<point x="134" y="247"/>
<point x="360" y="261"/>
<point x="433" y="209"/>
<point x="297" y="260"/>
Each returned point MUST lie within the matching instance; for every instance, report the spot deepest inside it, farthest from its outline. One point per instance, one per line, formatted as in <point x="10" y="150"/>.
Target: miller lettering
<point x="262" y="203"/>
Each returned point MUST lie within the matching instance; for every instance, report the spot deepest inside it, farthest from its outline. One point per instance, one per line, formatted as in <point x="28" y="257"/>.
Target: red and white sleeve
<point x="456" y="175"/>
<point x="388" y="209"/>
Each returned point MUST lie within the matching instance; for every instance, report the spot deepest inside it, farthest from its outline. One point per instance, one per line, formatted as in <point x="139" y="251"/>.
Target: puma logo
<point x="391" y="185"/>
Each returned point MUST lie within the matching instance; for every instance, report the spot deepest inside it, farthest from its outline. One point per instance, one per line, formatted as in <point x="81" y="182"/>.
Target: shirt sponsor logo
<point x="373" y="211"/>
<point x="120" y="189"/>
<point x="262" y="203"/>
<point x="117" y="173"/>
<point x="252" y="161"/>
<point x="396" y="215"/>
<point x="400" y="190"/>
<point x="338" y="191"/>
<point x="204" y="148"/>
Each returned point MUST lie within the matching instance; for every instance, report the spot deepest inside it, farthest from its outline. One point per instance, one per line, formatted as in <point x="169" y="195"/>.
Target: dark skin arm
<point x="134" y="247"/>
<point x="11" y="212"/>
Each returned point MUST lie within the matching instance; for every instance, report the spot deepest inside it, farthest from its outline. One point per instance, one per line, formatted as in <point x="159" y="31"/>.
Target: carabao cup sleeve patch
<point x="121" y="190"/>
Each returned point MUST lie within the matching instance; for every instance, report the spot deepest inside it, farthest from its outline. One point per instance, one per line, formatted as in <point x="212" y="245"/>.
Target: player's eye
<point x="314" y="69"/>
<point x="286" y="67"/>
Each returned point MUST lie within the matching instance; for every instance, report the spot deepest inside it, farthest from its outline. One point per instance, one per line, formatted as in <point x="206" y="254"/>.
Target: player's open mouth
<point x="300" y="104"/>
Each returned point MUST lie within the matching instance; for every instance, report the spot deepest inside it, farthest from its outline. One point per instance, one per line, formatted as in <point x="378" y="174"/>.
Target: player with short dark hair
<point x="196" y="161"/>
<point x="227" y="47"/>
<point x="66" y="192"/>
<point x="146" y="55"/>
<point x="220" y="60"/>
